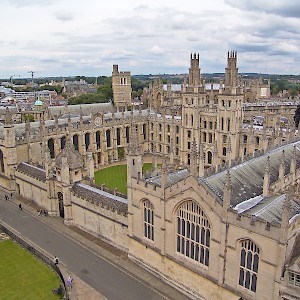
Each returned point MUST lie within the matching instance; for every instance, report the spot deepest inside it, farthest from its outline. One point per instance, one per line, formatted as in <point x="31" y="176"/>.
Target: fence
<point x="38" y="254"/>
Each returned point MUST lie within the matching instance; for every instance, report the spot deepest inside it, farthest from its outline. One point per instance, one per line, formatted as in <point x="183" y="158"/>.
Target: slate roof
<point x="86" y="109"/>
<point x="173" y="177"/>
<point x="32" y="171"/>
<point x="103" y="198"/>
<point x="247" y="185"/>
<point x="247" y="178"/>
<point x="270" y="209"/>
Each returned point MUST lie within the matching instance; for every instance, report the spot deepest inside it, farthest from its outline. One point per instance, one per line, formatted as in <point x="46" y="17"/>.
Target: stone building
<point x="219" y="219"/>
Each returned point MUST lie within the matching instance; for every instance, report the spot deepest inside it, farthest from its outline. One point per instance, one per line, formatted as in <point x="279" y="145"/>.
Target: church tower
<point x="230" y="112"/>
<point x="121" y="87"/>
<point x="231" y="73"/>
<point x="194" y="70"/>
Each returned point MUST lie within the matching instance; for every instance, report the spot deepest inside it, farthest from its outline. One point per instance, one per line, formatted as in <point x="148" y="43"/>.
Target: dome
<point x="38" y="103"/>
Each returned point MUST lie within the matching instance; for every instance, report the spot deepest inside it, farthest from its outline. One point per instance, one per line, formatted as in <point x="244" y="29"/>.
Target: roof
<point x="32" y="171"/>
<point x="98" y="196"/>
<point x="270" y="209"/>
<point x="247" y="184"/>
<point x="74" y="159"/>
<point x="247" y="178"/>
<point x="172" y="178"/>
<point x="84" y="109"/>
<point x="38" y="103"/>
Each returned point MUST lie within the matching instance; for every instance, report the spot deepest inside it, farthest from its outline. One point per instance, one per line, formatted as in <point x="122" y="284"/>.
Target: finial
<point x="8" y="117"/>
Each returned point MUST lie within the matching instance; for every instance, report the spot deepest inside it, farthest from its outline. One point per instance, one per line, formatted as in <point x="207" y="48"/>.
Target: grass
<point x="116" y="177"/>
<point x="23" y="276"/>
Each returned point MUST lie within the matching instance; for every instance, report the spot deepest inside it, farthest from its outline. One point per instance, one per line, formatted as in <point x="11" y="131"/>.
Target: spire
<point x="227" y="191"/>
<point x="193" y="166"/>
<point x="8" y="117"/>
<point x="285" y="217"/>
<point x="266" y="184"/>
<point x="201" y="161"/>
<point x="164" y="173"/>
<point x="281" y="166"/>
<point x="293" y="162"/>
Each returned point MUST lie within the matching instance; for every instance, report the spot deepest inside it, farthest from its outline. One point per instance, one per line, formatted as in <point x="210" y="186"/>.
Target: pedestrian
<point x="20" y="206"/>
<point x="10" y="195"/>
<point x="6" y="198"/>
<point x="69" y="282"/>
<point x="55" y="260"/>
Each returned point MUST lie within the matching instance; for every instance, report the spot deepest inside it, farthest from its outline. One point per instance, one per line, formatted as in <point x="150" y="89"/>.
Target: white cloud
<point x="156" y="50"/>
<point x="70" y="37"/>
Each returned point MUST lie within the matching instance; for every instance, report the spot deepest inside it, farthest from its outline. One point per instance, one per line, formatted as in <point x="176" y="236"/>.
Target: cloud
<point x="156" y="50"/>
<point x="286" y="8"/>
<point x="64" y="16"/>
<point x="23" y="3"/>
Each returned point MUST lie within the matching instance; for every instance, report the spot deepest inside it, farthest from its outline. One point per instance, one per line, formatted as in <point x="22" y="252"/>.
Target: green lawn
<point x="23" y="276"/>
<point x="116" y="177"/>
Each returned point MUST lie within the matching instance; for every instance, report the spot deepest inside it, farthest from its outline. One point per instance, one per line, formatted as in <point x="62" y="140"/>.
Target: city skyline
<point x="69" y="38"/>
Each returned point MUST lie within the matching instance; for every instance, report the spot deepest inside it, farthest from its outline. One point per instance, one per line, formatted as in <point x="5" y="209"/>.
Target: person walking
<point x="20" y="206"/>
<point x="69" y="282"/>
<point x="6" y="198"/>
<point x="55" y="260"/>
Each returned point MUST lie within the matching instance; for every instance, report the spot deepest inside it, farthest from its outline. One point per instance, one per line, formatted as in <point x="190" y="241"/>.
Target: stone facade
<point x="218" y="216"/>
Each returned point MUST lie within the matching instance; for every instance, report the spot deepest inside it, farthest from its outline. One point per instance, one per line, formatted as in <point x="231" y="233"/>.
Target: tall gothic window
<point x="118" y="133"/>
<point x="249" y="265"/>
<point x="193" y="232"/>
<point x="148" y="220"/>
<point x="108" y="140"/>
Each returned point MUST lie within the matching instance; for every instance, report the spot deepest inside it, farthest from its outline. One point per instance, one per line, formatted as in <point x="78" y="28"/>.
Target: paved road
<point x="94" y="270"/>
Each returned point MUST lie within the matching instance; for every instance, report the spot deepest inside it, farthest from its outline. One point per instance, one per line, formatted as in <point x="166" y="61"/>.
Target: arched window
<point x="228" y="124"/>
<point x="224" y="151"/>
<point x="63" y="142"/>
<point x="148" y="220"/>
<point x="1" y="162"/>
<point x="249" y="265"/>
<point x="108" y="141"/>
<point x="87" y="140"/>
<point x="98" y="140"/>
<point x="51" y="148"/>
<point x="127" y="134"/>
<point x="118" y="133"/>
<point x="209" y="157"/>
<point x="76" y="142"/>
<point x="193" y="232"/>
<point x="222" y="124"/>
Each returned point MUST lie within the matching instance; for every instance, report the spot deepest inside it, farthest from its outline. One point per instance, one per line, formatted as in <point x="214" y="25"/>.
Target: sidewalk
<point x="82" y="291"/>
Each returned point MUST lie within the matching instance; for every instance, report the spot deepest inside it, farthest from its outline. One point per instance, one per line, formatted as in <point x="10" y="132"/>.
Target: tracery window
<point x="249" y="265"/>
<point x="294" y="279"/>
<point x="193" y="232"/>
<point x="148" y="220"/>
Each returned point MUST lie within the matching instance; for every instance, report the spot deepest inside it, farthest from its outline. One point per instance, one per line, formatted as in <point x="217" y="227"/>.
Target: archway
<point x="61" y="204"/>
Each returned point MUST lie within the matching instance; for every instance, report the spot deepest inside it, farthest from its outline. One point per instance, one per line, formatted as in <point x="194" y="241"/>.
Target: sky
<point x="72" y="37"/>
